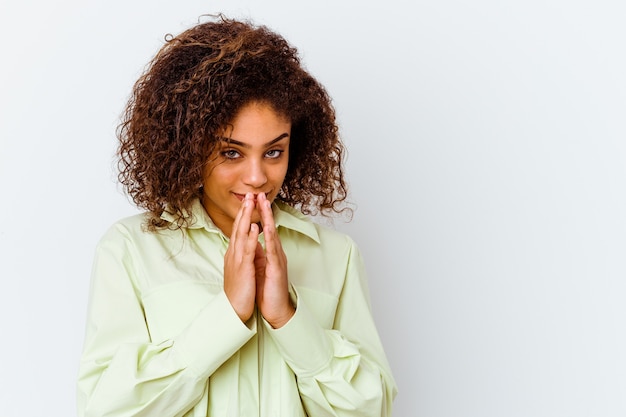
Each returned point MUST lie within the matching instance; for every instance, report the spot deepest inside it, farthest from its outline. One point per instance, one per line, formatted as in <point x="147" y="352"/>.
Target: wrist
<point x="283" y="318"/>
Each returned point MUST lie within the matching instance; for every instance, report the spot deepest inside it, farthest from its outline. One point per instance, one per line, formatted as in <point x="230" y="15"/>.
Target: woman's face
<point x="252" y="157"/>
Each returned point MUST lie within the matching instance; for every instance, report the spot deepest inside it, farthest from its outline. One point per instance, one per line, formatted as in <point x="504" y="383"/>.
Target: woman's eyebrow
<point x="245" y="145"/>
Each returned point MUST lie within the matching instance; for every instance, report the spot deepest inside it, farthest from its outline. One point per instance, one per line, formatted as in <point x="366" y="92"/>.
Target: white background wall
<point x="486" y="156"/>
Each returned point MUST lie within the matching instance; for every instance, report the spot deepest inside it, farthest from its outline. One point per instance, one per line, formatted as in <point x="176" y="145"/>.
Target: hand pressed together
<point x="252" y="275"/>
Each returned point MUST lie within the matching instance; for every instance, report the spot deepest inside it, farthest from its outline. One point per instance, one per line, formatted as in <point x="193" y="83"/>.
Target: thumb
<point x="259" y="261"/>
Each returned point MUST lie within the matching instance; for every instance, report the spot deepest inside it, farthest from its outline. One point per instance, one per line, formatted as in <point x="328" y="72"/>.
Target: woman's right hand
<point x="239" y="265"/>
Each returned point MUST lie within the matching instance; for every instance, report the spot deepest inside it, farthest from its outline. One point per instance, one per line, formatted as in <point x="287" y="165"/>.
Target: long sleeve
<point x="123" y="371"/>
<point x="163" y="340"/>
<point x="340" y="371"/>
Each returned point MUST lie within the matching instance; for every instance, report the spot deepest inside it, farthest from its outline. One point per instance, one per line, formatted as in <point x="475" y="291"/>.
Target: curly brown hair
<point x="194" y="87"/>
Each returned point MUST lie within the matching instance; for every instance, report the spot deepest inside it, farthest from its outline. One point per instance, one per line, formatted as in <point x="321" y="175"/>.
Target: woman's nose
<point x="254" y="174"/>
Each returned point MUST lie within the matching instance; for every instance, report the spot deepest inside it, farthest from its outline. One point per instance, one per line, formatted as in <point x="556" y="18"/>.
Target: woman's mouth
<point x="241" y="197"/>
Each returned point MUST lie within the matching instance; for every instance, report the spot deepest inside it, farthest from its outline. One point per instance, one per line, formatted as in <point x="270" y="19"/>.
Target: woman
<point x="223" y="299"/>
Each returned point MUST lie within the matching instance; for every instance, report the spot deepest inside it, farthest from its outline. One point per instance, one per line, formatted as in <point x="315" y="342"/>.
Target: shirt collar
<point x="196" y="218"/>
<point x="290" y="218"/>
<point x="284" y="216"/>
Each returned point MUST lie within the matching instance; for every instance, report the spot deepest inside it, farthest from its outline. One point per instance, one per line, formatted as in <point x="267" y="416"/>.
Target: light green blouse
<point x="163" y="340"/>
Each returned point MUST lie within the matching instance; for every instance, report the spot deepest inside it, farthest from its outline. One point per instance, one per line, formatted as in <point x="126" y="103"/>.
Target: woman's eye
<point x="230" y="154"/>
<point x="274" y="153"/>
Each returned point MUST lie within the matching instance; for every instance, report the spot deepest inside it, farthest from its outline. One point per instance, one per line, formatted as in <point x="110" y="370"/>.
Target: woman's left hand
<point x="272" y="294"/>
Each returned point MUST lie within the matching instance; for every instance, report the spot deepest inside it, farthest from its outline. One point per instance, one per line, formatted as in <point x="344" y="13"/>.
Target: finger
<point x="237" y="218"/>
<point x="273" y="245"/>
<point x="265" y="209"/>
<point x="252" y="241"/>
<point x="259" y="264"/>
<point x="241" y="225"/>
<point x="248" y="234"/>
<point x="274" y="248"/>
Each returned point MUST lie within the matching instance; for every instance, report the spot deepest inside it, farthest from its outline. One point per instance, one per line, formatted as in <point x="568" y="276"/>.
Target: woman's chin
<point x="255" y="216"/>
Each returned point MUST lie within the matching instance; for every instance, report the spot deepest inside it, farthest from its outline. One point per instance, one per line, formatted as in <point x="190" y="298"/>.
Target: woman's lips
<point x="240" y="197"/>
